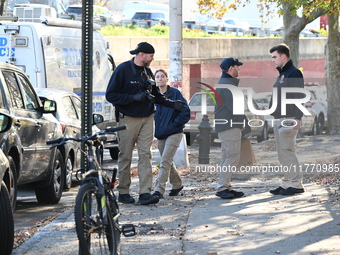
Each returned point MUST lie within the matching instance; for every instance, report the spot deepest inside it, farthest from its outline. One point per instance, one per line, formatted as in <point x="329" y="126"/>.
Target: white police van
<point x="49" y="52"/>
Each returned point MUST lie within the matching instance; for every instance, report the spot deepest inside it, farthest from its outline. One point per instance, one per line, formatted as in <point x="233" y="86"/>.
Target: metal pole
<point x="176" y="66"/>
<point x="86" y="71"/>
<point x="204" y="139"/>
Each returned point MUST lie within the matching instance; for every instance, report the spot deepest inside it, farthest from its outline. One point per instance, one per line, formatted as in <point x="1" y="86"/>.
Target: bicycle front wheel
<point x="95" y="236"/>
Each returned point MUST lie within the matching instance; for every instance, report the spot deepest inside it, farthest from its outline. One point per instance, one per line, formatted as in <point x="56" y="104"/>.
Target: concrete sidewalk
<point x="198" y="222"/>
<point x="261" y="223"/>
<point x="201" y="223"/>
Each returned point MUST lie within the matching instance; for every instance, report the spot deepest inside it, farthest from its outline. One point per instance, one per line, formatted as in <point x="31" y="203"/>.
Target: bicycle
<point x="96" y="210"/>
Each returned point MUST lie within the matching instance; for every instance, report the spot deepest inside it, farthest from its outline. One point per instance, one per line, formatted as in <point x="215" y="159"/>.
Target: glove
<point x="140" y="97"/>
<point x="180" y="106"/>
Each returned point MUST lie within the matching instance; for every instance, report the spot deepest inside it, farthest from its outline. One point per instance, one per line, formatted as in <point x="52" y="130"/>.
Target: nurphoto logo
<point x="238" y="99"/>
<point x="239" y="105"/>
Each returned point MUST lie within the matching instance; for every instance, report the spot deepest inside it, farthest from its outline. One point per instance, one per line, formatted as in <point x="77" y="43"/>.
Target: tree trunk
<point x="333" y="74"/>
<point x="2" y="4"/>
<point x="293" y="25"/>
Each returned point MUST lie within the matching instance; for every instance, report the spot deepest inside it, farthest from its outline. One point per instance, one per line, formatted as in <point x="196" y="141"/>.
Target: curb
<point x="51" y="227"/>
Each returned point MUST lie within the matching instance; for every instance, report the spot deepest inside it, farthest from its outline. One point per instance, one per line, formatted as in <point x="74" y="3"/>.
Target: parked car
<point x="263" y="99"/>
<point x="131" y="7"/>
<point x="279" y="30"/>
<point x="310" y="33"/>
<point x="24" y="144"/>
<point x="227" y="25"/>
<point x="100" y="14"/>
<point x="160" y="16"/>
<point x="103" y="14"/>
<point x="6" y="214"/>
<point x="260" y="125"/>
<point x="319" y="105"/>
<point x="74" y="10"/>
<point x="308" y="122"/>
<point x="69" y="115"/>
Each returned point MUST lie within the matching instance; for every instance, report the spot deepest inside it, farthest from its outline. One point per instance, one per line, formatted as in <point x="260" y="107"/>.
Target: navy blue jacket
<point x="127" y="80"/>
<point x="167" y="120"/>
<point x="289" y="76"/>
<point x="225" y="111"/>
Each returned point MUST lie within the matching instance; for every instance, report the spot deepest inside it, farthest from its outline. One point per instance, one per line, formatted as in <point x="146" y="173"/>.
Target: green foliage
<point x="310" y="8"/>
<point x="132" y="30"/>
<point x="155" y="31"/>
<point x="323" y="32"/>
<point x="160" y="30"/>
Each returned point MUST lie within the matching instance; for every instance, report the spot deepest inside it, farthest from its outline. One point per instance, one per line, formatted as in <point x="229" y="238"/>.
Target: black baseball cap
<point x="143" y="47"/>
<point x="228" y="62"/>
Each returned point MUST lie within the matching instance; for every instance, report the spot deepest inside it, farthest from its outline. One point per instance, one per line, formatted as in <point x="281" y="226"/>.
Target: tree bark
<point x="333" y="74"/>
<point x="2" y="4"/>
<point x="293" y="25"/>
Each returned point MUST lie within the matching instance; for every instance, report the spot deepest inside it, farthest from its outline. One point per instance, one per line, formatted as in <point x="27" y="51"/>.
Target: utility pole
<point x="176" y="66"/>
<point x="86" y="72"/>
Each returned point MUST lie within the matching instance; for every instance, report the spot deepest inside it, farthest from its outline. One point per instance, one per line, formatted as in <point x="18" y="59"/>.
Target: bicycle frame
<point x="95" y="174"/>
<point x="102" y="183"/>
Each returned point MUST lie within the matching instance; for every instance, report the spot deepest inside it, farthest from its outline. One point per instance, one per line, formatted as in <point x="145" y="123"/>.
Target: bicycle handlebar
<point x="58" y="140"/>
<point x="62" y="140"/>
<point x="116" y="129"/>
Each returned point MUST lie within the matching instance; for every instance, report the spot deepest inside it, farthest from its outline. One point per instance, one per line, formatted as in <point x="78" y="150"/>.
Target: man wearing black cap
<point x="230" y="132"/>
<point x="133" y="92"/>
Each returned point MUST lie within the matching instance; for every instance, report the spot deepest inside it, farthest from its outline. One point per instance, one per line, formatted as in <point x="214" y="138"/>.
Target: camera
<point x="149" y="96"/>
<point x="151" y="82"/>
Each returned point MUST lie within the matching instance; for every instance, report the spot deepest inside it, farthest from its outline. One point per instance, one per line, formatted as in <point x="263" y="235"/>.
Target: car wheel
<point x="314" y="129"/>
<point x="320" y="124"/>
<point x="68" y="173"/>
<point x="114" y="153"/>
<point x="6" y="221"/>
<point x="264" y="136"/>
<point x="12" y="183"/>
<point x="301" y="133"/>
<point x="51" y="193"/>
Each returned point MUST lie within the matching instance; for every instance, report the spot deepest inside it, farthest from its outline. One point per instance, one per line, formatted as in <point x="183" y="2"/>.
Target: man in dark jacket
<point x="133" y="92"/>
<point x="285" y="136"/>
<point x="230" y="132"/>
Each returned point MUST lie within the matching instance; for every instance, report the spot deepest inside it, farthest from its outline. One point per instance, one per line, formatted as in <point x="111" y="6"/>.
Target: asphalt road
<point x="30" y="214"/>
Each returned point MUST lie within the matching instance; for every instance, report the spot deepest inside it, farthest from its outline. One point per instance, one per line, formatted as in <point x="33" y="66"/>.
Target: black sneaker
<point x="291" y="191"/>
<point x="175" y="192"/>
<point x="276" y="191"/>
<point x="225" y="194"/>
<point x="147" y="199"/>
<point x="126" y="199"/>
<point x="237" y="194"/>
<point x="158" y="194"/>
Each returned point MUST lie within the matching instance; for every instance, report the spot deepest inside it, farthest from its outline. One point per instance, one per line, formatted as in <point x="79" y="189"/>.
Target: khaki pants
<point x="139" y="131"/>
<point x="167" y="149"/>
<point x="285" y="145"/>
<point x="230" y="156"/>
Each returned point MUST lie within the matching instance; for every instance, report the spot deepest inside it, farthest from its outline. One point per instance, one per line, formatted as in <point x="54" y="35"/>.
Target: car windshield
<point x="157" y="16"/>
<point x="230" y="22"/>
<point x="76" y="10"/>
<point x="197" y="100"/>
<point x="148" y="15"/>
<point x="262" y="100"/>
<point x="141" y="15"/>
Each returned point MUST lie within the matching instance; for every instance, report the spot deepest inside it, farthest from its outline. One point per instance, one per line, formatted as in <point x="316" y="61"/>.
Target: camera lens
<point x="150" y="97"/>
